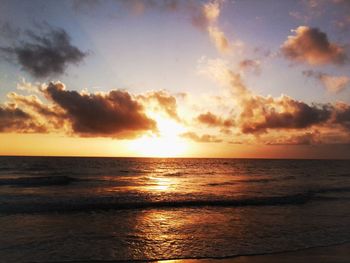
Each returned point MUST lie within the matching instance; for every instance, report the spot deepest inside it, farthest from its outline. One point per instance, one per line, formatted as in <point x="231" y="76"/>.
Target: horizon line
<point x="169" y="157"/>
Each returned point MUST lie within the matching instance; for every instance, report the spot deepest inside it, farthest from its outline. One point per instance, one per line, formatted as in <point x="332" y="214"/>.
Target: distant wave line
<point x="104" y="205"/>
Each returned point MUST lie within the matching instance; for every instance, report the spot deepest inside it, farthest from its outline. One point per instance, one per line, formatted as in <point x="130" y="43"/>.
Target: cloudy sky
<point x="211" y="78"/>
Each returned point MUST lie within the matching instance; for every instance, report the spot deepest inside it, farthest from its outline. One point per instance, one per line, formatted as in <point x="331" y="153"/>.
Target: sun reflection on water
<point x="161" y="183"/>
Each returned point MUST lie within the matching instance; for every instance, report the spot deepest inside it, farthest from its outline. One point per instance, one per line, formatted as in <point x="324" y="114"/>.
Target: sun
<point x="167" y="143"/>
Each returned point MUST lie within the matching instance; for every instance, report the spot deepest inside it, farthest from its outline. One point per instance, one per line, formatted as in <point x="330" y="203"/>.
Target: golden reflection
<point x="162" y="184"/>
<point x="162" y="230"/>
<point x="169" y="234"/>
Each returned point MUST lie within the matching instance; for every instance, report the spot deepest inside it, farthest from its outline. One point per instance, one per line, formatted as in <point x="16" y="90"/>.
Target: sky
<point x="175" y="78"/>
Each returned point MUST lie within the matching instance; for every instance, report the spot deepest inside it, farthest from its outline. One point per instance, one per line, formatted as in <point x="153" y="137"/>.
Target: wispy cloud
<point x="250" y="65"/>
<point x="205" y="138"/>
<point x="203" y="15"/>
<point x="333" y="84"/>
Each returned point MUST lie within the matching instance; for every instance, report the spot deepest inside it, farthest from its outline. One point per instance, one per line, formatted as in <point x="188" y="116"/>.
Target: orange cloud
<point x="310" y="45"/>
<point x="205" y="18"/>
<point x="278" y="119"/>
<point x="205" y="14"/>
<point x="220" y="40"/>
<point x="201" y="138"/>
<point x="163" y="102"/>
<point x="13" y="119"/>
<point x="212" y="120"/>
<point x="52" y="116"/>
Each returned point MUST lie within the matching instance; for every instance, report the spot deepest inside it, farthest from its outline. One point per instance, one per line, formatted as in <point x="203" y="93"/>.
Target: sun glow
<point x="165" y="144"/>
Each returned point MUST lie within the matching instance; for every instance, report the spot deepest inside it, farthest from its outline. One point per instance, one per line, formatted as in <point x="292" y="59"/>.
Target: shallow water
<point x="54" y="209"/>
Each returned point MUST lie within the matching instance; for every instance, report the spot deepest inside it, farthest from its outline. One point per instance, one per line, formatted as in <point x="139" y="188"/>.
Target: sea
<point x="68" y="209"/>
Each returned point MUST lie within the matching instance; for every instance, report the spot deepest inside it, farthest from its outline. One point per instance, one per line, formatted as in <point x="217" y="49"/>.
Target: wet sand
<point x="330" y="254"/>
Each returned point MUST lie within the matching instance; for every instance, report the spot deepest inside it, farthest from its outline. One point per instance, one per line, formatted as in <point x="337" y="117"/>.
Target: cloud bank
<point x="278" y="120"/>
<point x="116" y="114"/>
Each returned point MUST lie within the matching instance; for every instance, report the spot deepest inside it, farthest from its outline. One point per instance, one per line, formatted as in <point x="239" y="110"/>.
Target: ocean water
<point x="70" y="209"/>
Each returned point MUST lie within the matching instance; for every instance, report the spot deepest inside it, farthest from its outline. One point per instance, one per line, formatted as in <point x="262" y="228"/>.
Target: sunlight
<point x="161" y="184"/>
<point x="166" y="144"/>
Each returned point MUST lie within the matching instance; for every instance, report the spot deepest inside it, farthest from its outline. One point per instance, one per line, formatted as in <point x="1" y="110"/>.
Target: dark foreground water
<point x="67" y="209"/>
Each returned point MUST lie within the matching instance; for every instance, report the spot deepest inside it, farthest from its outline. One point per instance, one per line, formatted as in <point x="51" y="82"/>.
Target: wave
<point x="331" y="190"/>
<point x="100" y="204"/>
<point x="247" y="180"/>
<point x="37" y="181"/>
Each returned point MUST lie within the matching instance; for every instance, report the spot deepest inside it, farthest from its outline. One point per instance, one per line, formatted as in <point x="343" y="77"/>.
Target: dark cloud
<point x="310" y="45"/>
<point x="341" y="115"/>
<point x="200" y="138"/>
<point x="13" y="119"/>
<point x="46" y="55"/>
<point x="261" y="113"/>
<point x="114" y="114"/>
<point x="212" y="120"/>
